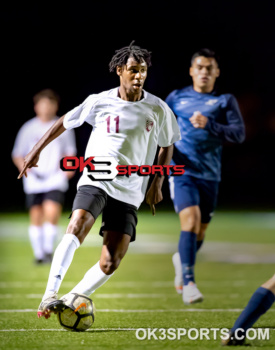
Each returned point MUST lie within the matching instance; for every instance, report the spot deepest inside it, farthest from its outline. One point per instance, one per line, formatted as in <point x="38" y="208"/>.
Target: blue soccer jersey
<point x="200" y="149"/>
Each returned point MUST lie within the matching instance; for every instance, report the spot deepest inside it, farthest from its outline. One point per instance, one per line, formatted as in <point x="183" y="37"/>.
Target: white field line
<point x="63" y="330"/>
<point x="98" y="296"/>
<point x="232" y="252"/>
<point x="119" y="296"/>
<point x="129" y="284"/>
<point x="139" y="310"/>
<point x="72" y="284"/>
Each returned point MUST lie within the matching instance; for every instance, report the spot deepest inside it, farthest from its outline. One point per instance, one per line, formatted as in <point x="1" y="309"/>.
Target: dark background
<point x="67" y="47"/>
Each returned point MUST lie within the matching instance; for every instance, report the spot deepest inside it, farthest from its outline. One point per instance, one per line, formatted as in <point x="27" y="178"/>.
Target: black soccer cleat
<point x="56" y="306"/>
<point x="231" y="340"/>
<point x="50" y="304"/>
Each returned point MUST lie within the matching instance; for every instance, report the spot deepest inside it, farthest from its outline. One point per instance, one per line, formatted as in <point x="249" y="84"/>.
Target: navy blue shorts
<point x="187" y="191"/>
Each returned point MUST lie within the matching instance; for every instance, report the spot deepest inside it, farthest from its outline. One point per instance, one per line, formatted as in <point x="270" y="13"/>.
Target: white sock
<point x="36" y="238"/>
<point x="62" y="259"/>
<point x="49" y="236"/>
<point x="93" y="279"/>
<point x="177" y="264"/>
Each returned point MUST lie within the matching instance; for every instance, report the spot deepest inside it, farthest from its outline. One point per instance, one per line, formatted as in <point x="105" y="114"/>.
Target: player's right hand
<point x="30" y="161"/>
<point x="198" y="120"/>
<point x="154" y="196"/>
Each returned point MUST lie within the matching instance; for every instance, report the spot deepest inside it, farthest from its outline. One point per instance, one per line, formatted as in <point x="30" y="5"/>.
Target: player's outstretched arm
<point x="154" y="194"/>
<point x="32" y="157"/>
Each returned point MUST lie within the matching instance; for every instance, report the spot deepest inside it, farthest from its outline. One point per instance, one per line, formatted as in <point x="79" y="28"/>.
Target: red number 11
<point x="109" y="122"/>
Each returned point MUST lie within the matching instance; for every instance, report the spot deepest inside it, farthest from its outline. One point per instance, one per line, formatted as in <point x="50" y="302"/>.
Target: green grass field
<point x="238" y="256"/>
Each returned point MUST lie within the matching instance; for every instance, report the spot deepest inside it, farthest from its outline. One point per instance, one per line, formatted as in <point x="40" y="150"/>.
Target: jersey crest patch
<point x="211" y="102"/>
<point x="149" y="125"/>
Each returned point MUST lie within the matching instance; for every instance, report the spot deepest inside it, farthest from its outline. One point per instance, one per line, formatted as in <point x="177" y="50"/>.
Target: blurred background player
<point x="46" y="184"/>
<point x="259" y="303"/>
<point x="206" y="119"/>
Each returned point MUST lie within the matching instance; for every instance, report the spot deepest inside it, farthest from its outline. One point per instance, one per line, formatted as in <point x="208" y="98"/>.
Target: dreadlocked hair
<point x="121" y="56"/>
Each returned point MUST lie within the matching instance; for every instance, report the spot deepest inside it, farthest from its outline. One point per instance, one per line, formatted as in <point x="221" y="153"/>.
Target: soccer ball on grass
<point x="79" y="314"/>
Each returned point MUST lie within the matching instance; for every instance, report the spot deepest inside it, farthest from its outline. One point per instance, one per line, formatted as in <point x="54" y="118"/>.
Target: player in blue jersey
<point x="206" y="119"/>
<point x="261" y="301"/>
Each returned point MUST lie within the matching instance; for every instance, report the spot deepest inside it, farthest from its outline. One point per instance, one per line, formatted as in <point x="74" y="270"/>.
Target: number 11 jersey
<point x="128" y="131"/>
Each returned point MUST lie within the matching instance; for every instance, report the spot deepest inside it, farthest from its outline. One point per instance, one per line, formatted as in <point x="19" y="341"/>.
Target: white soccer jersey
<point x="47" y="176"/>
<point x="128" y="131"/>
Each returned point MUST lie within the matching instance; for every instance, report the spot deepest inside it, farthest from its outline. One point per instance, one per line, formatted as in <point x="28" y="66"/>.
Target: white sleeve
<point x="68" y="143"/>
<point x="169" y="129"/>
<point x="20" y="148"/>
<point x="77" y="116"/>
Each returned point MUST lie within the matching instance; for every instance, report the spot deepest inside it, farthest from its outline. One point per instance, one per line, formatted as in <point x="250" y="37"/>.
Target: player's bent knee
<point x="273" y="280"/>
<point x="190" y="223"/>
<point x="108" y="266"/>
<point x="270" y="284"/>
<point x="200" y="236"/>
<point x="190" y="219"/>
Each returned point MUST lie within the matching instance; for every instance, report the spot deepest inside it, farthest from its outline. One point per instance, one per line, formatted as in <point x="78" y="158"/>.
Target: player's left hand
<point x="154" y="196"/>
<point x="198" y="120"/>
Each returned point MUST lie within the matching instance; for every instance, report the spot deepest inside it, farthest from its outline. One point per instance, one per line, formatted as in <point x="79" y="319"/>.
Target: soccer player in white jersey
<point x="120" y="119"/>
<point x="46" y="184"/>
